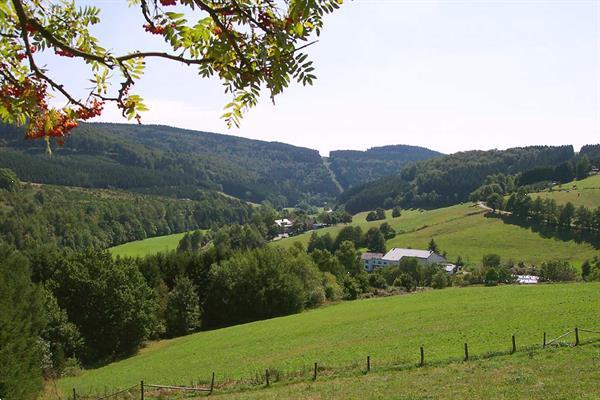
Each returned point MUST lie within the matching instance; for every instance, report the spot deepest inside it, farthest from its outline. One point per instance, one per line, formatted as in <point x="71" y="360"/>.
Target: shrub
<point x="377" y="280"/>
<point x="396" y="212"/>
<point x="491" y="277"/>
<point x="557" y="271"/>
<point x="333" y="290"/>
<point x="439" y="280"/>
<point x="405" y="281"/>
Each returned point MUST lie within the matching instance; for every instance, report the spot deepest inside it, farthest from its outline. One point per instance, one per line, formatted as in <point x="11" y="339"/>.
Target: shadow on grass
<point x="550" y="232"/>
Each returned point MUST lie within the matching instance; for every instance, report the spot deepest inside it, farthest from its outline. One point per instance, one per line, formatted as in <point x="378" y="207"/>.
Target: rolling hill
<point x="353" y="168"/>
<point x="339" y="338"/>
<point x="170" y="161"/>
<point x="448" y="180"/>
<point x="466" y="231"/>
<point x="585" y="192"/>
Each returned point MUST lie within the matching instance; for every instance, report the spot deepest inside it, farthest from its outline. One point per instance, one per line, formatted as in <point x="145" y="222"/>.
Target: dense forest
<point x="354" y="168"/>
<point x="449" y="179"/>
<point x="32" y="215"/>
<point x="172" y="162"/>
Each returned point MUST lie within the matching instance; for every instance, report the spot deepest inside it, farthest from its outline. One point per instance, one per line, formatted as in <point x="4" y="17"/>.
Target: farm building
<point x="393" y="257"/>
<point x="371" y="260"/>
<point x="285" y="225"/>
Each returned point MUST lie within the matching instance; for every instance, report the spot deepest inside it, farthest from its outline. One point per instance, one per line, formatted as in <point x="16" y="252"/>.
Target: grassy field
<point x="141" y="248"/>
<point x="340" y="336"/>
<point x="585" y="192"/>
<point x="465" y="230"/>
<point x="542" y="375"/>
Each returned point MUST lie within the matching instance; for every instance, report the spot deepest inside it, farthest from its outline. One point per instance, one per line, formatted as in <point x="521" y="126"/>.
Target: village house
<point x="393" y="257"/>
<point x="371" y="260"/>
<point x="285" y="225"/>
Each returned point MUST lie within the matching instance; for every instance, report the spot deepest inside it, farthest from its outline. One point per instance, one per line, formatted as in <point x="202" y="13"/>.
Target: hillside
<point x="170" y="161"/>
<point x="465" y="230"/>
<point x="354" y="168"/>
<point x="447" y="180"/>
<point x="40" y="215"/>
<point x="585" y="192"/>
<point x="339" y="337"/>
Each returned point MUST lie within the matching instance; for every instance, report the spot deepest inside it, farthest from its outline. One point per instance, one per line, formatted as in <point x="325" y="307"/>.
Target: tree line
<point x="447" y="180"/>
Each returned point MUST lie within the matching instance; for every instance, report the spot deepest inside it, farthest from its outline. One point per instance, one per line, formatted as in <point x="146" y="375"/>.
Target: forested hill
<point x="449" y="179"/>
<point x="353" y="168"/>
<point x="170" y="161"/>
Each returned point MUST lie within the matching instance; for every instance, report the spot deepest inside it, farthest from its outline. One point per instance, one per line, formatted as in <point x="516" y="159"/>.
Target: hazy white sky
<point x="448" y="75"/>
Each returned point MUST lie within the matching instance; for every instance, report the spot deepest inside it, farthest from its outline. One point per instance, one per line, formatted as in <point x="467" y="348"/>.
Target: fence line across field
<point x="209" y="390"/>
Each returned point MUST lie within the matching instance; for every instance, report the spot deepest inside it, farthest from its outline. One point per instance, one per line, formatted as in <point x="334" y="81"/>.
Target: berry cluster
<point x="154" y="29"/>
<point x="63" y="53"/>
<point x="168" y="2"/>
<point x="93" y="110"/>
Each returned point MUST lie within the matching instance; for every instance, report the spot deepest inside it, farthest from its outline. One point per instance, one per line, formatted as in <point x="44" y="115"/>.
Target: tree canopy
<point x="250" y="45"/>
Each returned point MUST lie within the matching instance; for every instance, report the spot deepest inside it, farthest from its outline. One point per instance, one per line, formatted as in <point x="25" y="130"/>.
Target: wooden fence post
<point x="422" y="357"/>
<point x="466" y="352"/>
<point x="141" y="390"/>
<point x="368" y="363"/>
<point x="544" y="340"/>
<point x="267" y="376"/>
<point x="514" y="345"/>
<point x="212" y="383"/>
<point x="315" y="373"/>
<point x="576" y="336"/>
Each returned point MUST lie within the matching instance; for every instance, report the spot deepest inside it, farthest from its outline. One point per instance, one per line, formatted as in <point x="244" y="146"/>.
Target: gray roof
<point x="396" y="254"/>
<point x="371" y="256"/>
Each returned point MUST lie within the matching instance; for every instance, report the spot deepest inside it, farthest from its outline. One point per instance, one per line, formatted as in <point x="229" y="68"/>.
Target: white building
<point x="393" y="257"/>
<point x="285" y="225"/>
<point x="423" y="256"/>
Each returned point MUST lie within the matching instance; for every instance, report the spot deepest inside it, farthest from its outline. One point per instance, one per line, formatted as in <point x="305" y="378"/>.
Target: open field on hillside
<point x="340" y="336"/>
<point x="465" y="230"/>
<point x="540" y="374"/>
<point x="585" y="192"/>
<point x="141" y="248"/>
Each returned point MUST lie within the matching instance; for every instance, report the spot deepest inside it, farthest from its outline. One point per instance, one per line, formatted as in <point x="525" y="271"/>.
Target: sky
<point x="447" y="75"/>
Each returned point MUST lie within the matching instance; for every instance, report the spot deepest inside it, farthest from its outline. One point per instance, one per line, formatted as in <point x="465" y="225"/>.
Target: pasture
<point x="585" y="192"/>
<point x="340" y="336"/>
<point x="141" y="248"/>
<point x="465" y="230"/>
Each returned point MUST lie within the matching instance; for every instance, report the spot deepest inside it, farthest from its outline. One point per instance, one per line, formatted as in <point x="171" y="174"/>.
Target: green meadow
<point x="340" y="336"/>
<point x="537" y="375"/>
<point x="465" y="230"/>
<point x="585" y="192"/>
<point x="141" y="248"/>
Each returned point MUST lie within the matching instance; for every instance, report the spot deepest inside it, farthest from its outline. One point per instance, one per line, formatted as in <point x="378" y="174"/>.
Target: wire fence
<point x="145" y="390"/>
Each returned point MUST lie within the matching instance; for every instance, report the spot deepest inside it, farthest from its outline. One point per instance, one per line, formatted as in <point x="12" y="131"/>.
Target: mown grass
<point x="340" y="336"/>
<point x="141" y="248"/>
<point x="466" y="231"/>
<point x="558" y="373"/>
<point x="585" y="192"/>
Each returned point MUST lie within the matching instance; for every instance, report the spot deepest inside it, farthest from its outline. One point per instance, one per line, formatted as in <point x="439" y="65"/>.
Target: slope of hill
<point x="39" y="215"/>
<point x="354" y="168"/>
<point x="340" y="337"/>
<point x="449" y="179"/>
<point x="465" y="230"/>
<point x="585" y="192"/>
<point x="170" y="161"/>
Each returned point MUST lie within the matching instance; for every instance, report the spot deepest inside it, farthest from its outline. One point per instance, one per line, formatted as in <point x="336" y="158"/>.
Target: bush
<point x="377" y="280"/>
<point x="406" y="281"/>
<point x="396" y="212"/>
<point x="439" y="280"/>
<point x="557" y="271"/>
<point x="491" y="277"/>
<point x="351" y="288"/>
<point x="333" y="291"/>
